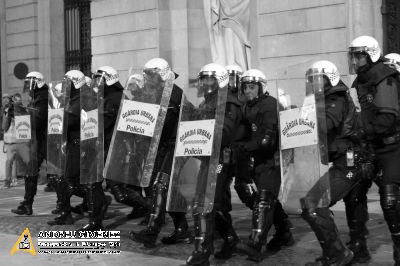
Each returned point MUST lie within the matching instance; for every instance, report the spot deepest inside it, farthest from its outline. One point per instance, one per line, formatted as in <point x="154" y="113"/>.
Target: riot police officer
<point x="378" y="93"/>
<point x="348" y="158"/>
<point x="98" y="202"/>
<point x="37" y="108"/>
<point x="212" y="78"/>
<point x="68" y="184"/>
<point x="131" y="195"/>
<point x="162" y="171"/>
<point x="260" y="146"/>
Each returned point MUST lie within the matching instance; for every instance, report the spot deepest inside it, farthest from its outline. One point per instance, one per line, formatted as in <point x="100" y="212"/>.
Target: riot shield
<point x="26" y="142"/>
<point x="137" y="133"/>
<point x="92" y="132"/>
<point x="303" y="141"/>
<point x="57" y="122"/>
<point x="197" y="149"/>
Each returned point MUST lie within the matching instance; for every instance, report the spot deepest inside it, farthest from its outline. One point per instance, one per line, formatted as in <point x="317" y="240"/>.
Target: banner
<point x="23" y="127"/>
<point x="138" y="117"/>
<point x="55" y="121"/>
<point x="195" y="138"/>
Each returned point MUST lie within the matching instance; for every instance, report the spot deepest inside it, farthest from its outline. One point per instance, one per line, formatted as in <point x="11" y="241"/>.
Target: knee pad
<point x="390" y="196"/>
<point x="246" y="193"/>
<point x="390" y="202"/>
<point x="267" y="200"/>
<point x="118" y="193"/>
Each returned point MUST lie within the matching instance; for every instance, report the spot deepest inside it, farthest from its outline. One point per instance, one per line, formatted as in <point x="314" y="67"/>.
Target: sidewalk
<point x="305" y="249"/>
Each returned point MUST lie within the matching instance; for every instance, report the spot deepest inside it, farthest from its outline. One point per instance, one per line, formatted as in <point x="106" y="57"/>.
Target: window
<point x="78" y="51"/>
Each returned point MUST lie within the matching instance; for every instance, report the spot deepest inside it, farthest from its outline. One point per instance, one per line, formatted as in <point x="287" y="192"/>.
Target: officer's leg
<point x="65" y="192"/>
<point x="262" y="220"/>
<point x="267" y="178"/>
<point x="390" y="202"/>
<point x="181" y="233"/>
<point x="55" y="180"/>
<point x="321" y="222"/>
<point x="203" y="242"/>
<point x="130" y="196"/>
<point x="98" y="204"/>
<point x="321" y="219"/>
<point x="25" y="207"/>
<point x="223" y="219"/>
<point x="357" y="216"/>
<point x="32" y="162"/>
<point x="282" y="236"/>
<point x="149" y="235"/>
<point x="243" y="173"/>
<point x="246" y="192"/>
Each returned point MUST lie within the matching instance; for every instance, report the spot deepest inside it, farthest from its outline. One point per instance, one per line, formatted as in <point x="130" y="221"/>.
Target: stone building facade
<point x="126" y="33"/>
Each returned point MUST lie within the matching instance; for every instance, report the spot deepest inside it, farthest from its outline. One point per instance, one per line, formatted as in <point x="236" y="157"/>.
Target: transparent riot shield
<point x="197" y="149"/>
<point x="26" y="142"/>
<point x="303" y="140"/>
<point x="56" y="123"/>
<point x="92" y="132"/>
<point x="137" y="133"/>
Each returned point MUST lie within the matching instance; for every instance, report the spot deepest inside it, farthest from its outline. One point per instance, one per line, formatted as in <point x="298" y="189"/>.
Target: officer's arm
<point x="386" y="102"/>
<point x="334" y="111"/>
<point x="110" y="113"/>
<point x="74" y="116"/>
<point x="265" y="134"/>
<point x="228" y="129"/>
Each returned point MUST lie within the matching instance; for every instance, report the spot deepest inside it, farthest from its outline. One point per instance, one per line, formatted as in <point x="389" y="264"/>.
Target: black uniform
<point x="261" y="119"/>
<point x="378" y="93"/>
<point x="342" y="126"/>
<point x="69" y="184"/>
<point x="160" y="182"/>
<point x="97" y="201"/>
<point x="39" y="103"/>
<point x="132" y="195"/>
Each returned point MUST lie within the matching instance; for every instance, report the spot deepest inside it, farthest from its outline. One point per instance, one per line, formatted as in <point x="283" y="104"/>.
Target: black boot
<point x="80" y="208"/>
<point x="149" y="235"/>
<point x="56" y="181"/>
<point x="358" y="242"/>
<point x="64" y="204"/>
<point x="137" y="212"/>
<point x="223" y="223"/>
<point x="63" y="218"/>
<point x="25" y="207"/>
<point x="396" y="255"/>
<point x="263" y="215"/>
<point x="57" y="210"/>
<point x="282" y="236"/>
<point x="204" y="247"/>
<point x="180" y="233"/>
<point x="131" y="196"/>
<point x="98" y="205"/>
<point x="334" y="252"/>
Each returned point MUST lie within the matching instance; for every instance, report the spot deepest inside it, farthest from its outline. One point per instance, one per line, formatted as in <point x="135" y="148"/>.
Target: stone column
<point x="50" y="36"/>
<point x="173" y="37"/>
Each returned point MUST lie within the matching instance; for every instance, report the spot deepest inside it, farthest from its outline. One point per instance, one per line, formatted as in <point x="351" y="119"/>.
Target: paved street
<point x="305" y="249"/>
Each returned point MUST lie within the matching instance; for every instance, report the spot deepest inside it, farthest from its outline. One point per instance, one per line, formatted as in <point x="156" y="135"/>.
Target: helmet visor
<point x="29" y="85"/>
<point x="152" y="76"/>
<point x="356" y="58"/>
<point x="233" y="82"/>
<point x="207" y="85"/>
<point x="314" y="81"/>
<point x="98" y="79"/>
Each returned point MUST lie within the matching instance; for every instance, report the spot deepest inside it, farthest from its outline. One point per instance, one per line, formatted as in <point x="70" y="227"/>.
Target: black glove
<point x="367" y="170"/>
